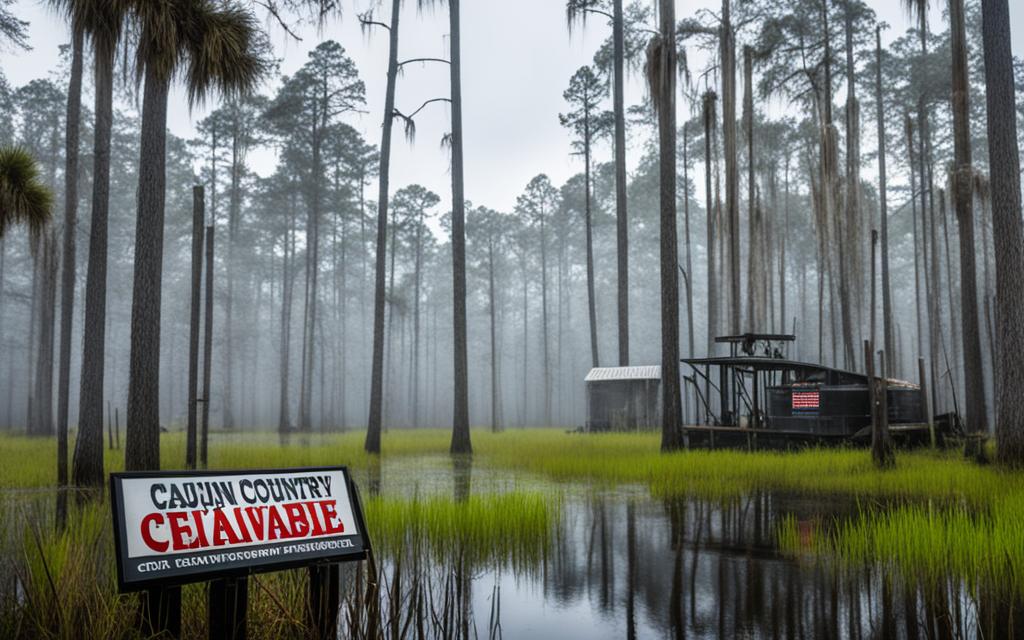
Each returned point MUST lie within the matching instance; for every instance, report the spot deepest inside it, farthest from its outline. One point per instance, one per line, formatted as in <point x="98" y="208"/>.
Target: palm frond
<point x="103" y="21"/>
<point x="24" y="199"/>
<point x="916" y="9"/>
<point x="227" y="50"/>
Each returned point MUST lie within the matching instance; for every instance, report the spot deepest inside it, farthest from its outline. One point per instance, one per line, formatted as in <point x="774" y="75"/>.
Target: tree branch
<point x="411" y="60"/>
<point x="422" y="106"/>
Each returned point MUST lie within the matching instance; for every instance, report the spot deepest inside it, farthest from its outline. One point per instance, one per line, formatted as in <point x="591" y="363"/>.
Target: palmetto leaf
<point x="24" y="199"/>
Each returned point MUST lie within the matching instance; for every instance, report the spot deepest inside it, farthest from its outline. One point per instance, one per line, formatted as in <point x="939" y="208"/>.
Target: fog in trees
<point x="777" y="173"/>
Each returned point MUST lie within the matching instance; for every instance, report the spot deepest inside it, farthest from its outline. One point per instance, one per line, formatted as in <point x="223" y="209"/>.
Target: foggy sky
<point x="517" y="60"/>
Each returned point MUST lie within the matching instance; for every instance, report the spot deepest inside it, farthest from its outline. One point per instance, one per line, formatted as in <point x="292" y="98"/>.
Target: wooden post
<point x="161" y="611"/>
<point x="874" y="244"/>
<point x="110" y="427"/>
<point x="869" y="366"/>
<point x="207" y="348"/>
<point x="881" y="441"/>
<point x="226" y="608"/>
<point x="198" y="215"/>
<point x="924" y="401"/>
<point x="324" y="599"/>
<point x="117" y="428"/>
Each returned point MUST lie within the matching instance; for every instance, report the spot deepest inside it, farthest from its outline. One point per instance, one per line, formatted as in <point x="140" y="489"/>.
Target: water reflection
<point x="616" y="565"/>
<point x="635" y="567"/>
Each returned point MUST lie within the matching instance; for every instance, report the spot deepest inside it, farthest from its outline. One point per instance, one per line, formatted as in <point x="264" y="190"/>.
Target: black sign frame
<point x="121" y="543"/>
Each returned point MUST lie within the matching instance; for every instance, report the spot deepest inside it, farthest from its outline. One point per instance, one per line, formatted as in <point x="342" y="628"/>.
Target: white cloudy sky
<point x="517" y="59"/>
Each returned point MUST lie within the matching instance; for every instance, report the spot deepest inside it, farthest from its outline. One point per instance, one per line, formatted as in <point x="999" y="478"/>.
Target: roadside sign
<point x="176" y="527"/>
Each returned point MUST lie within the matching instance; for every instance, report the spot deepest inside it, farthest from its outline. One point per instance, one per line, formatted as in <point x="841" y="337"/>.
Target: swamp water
<point x="621" y="564"/>
<point x="610" y="562"/>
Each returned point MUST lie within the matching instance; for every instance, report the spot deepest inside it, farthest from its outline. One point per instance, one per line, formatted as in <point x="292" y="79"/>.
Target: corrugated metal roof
<point x="607" y="374"/>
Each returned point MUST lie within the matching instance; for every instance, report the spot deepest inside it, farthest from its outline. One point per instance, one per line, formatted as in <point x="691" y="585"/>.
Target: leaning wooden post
<point x="924" y="401"/>
<point x="198" y="215"/>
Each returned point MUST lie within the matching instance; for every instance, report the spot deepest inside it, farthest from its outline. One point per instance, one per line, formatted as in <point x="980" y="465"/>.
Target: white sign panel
<point x="183" y="527"/>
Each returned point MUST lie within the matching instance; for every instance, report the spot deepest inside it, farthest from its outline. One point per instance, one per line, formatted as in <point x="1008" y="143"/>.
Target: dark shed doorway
<point x="623" y="398"/>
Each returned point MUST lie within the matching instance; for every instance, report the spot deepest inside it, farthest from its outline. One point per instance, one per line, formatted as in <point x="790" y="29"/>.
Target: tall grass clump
<point x="508" y="529"/>
<point x="925" y="543"/>
<point x="66" y="581"/>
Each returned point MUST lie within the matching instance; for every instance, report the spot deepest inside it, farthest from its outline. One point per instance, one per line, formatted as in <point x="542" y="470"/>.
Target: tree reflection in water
<point x="637" y="567"/>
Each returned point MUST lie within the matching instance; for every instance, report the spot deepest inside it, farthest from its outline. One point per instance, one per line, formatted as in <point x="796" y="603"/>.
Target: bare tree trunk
<point x="42" y="422"/>
<point x="833" y="192"/>
<point x="1004" y="167"/>
<point x="207" y="351"/>
<point x="686" y="232"/>
<point x="234" y="215"/>
<point x="887" y="327"/>
<point x="854" y="216"/>
<point x="591" y="303"/>
<point x="954" y="378"/>
<point x="373" y="429"/>
<point x="67" y="295"/>
<point x="662" y="77"/>
<point x="87" y="467"/>
<point x="416" y="323"/>
<point x="495" y="425"/>
<point x="460" y="423"/>
<point x="977" y="415"/>
<point x="198" y="217"/>
<point x="142" y="446"/>
<point x="526" y="342"/>
<point x="782" y="250"/>
<point x="909" y="128"/>
<point x="710" y="209"/>
<point x="732" y="206"/>
<point x="287" y="295"/>
<point x="544" y="321"/>
<point x="753" y="239"/>
<point x="621" y="221"/>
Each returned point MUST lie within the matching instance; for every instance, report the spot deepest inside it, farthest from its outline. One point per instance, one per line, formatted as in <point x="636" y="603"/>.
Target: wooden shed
<point x="623" y="398"/>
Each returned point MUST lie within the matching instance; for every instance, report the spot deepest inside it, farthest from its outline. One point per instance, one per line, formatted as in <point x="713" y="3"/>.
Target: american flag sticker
<point x="805" y="400"/>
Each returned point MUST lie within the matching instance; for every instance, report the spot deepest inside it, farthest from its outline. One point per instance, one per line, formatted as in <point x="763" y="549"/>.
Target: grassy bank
<point x="608" y="459"/>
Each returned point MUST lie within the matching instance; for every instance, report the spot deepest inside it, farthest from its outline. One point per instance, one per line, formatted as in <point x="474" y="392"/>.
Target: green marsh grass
<point x="926" y="543"/>
<point x="934" y="516"/>
<point x="598" y="459"/>
<point x="493" y="529"/>
<point x="68" y="581"/>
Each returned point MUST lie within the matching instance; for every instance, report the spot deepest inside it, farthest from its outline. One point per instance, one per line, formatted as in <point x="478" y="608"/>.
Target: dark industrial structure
<point x="757" y="396"/>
